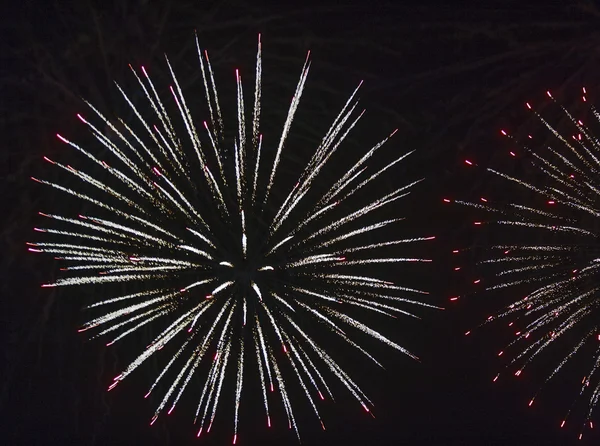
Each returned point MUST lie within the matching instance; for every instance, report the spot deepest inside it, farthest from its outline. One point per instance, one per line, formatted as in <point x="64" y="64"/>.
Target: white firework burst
<point x="186" y="222"/>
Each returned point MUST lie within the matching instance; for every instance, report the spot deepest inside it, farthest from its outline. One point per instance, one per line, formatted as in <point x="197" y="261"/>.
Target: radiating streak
<point x="283" y="302"/>
<point x="388" y="260"/>
<point x="113" y="148"/>
<point x="202" y="237"/>
<point x="382" y="244"/>
<point x="218" y="370"/>
<point x="356" y="324"/>
<point x="196" y="251"/>
<point x="314" y="259"/>
<point x="160" y="111"/>
<point x="256" y="289"/>
<point x="288" y="123"/>
<point x="547" y="227"/>
<point x="241" y="144"/>
<point x="387" y="199"/>
<point x="333" y="366"/>
<point x="144" y="124"/>
<point x="217" y="120"/>
<point x="349" y="176"/>
<point x="286" y="209"/>
<point x="316" y="372"/>
<point x="257" y="100"/>
<point x="264" y="352"/>
<point x="128" y="321"/>
<point x="359" y="231"/>
<point x="182" y="197"/>
<point x="222" y="287"/>
<point x="238" y="389"/>
<point x="255" y="178"/>
<point x="208" y="338"/>
<point x="376" y="174"/>
<point x="101" y="279"/>
<point x="195" y="284"/>
<point x="262" y="376"/>
<point x="99" y="185"/>
<point x="278" y="245"/>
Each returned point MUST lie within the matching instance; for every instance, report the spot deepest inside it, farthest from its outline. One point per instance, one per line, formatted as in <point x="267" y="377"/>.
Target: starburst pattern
<point x="224" y="266"/>
<point x="553" y="216"/>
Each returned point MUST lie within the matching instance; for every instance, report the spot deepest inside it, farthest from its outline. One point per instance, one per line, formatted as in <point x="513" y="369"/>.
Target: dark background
<point x="447" y="74"/>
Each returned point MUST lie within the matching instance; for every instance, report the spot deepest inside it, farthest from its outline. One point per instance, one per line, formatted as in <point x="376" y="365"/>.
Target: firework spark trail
<point x="221" y="264"/>
<point x="562" y="268"/>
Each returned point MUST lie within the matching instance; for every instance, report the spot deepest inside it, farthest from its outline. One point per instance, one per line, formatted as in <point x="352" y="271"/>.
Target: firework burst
<point x="553" y="217"/>
<point x="223" y="265"/>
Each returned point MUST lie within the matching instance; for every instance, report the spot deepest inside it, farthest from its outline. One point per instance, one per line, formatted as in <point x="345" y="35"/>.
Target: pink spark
<point x="62" y="139"/>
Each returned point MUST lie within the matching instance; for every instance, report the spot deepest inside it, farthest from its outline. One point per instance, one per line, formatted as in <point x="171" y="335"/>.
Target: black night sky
<point x="448" y="75"/>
